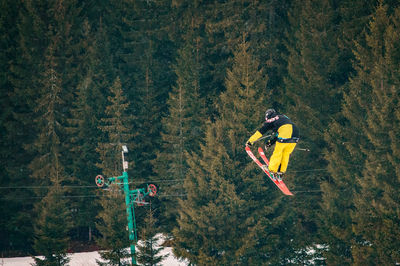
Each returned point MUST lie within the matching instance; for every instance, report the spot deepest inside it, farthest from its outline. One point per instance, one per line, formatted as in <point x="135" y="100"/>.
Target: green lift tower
<point x="132" y="197"/>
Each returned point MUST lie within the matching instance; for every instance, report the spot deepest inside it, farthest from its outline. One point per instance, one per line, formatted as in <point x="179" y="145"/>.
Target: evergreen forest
<point x="184" y="84"/>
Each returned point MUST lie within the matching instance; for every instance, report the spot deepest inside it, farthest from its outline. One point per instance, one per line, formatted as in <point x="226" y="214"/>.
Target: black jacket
<point x="277" y="122"/>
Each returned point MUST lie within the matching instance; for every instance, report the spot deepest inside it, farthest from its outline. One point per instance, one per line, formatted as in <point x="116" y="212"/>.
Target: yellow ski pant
<point x="280" y="156"/>
<point x="282" y="151"/>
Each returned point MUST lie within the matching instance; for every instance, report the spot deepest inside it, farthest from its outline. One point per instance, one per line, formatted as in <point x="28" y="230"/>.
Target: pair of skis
<point x="264" y="167"/>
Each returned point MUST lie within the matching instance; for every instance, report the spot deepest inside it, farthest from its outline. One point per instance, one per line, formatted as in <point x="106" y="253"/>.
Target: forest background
<point x="184" y="84"/>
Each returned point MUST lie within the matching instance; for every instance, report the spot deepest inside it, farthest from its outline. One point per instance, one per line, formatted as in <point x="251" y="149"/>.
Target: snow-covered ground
<point x="89" y="258"/>
<point x="86" y="259"/>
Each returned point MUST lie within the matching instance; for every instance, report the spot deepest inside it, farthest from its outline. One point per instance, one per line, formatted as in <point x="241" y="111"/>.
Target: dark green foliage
<point x="85" y="134"/>
<point x="313" y="65"/>
<point x="312" y="62"/>
<point x="148" y="250"/>
<point x="343" y="141"/>
<point x="53" y="223"/>
<point x="183" y="126"/>
<point x="52" y="227"/>
<point x="376" y="223"/>
<point x="39" y="95"/>
<point x="80" y="78"/>
<point x="13" y="160"/>
<point x="351" y="191"/>
<point x="219" y="222"/>
<point x="116" y="127"/>
<point x="264" y="22"/>
<point x="20" y="77"/>
<point x="145" y="65"/>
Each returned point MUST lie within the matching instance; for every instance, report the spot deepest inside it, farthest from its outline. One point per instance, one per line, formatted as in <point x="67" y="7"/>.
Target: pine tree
<point x="226" y="219"/>
<point x="344" y="139"/>
<point x="148" y="247"/>
<point x="86" y="108"/>
<point x="53" y="224"/>
<point x="265" y="23"/>
<point x="44" y="26"/>
<point x="349" y="194"/>
<point x="312" y="99"/>
<point x="117" y="129"/>
<point x="84" y="134"/>
<point x="111" y="225"/>
<point x="8" y="43"/>
<point x="148" y="127"/>
<point x="51" y="105"/>
<point x="24" y="73"/>
<point x="190" y="26"/>
<point x="376" y="223"/>
<point x="182" y="127"/>
<point x="52" y="227"/>
<point x="312" y="63"/>
<point x="105" y="20"/>
<point x="144" y="64"/>
<point x="100" y="55"/>
<point x="220" y="25"/>
<point x="15" y="227"/>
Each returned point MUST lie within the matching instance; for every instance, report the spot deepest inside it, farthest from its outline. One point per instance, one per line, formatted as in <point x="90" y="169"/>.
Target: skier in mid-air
<point x="286" y="136"/>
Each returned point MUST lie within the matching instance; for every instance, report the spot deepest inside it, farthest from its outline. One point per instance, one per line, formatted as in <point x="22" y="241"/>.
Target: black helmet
<point x="270" y="113"/>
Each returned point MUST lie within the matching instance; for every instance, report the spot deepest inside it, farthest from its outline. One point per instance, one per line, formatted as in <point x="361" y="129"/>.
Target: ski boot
<point x="279" y="176"/>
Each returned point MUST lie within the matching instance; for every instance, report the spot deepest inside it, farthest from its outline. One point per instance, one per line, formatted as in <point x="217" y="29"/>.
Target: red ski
<point x="264" y="167"/>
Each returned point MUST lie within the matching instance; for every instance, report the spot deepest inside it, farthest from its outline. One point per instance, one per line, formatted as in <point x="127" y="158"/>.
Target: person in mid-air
<point x="286" y="136"/>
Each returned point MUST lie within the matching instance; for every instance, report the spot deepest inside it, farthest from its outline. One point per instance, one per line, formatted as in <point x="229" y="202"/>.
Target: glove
<point x="270" y="142"/>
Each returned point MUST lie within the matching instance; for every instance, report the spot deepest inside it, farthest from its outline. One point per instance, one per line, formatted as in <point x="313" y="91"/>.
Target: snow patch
<point x="89" y="259"/>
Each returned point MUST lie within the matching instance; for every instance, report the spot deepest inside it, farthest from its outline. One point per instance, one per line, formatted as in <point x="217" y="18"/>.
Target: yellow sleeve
<point x="255" y="137"/>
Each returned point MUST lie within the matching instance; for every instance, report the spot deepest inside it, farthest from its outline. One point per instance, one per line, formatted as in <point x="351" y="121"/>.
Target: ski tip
<point x="288" y="193"/>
